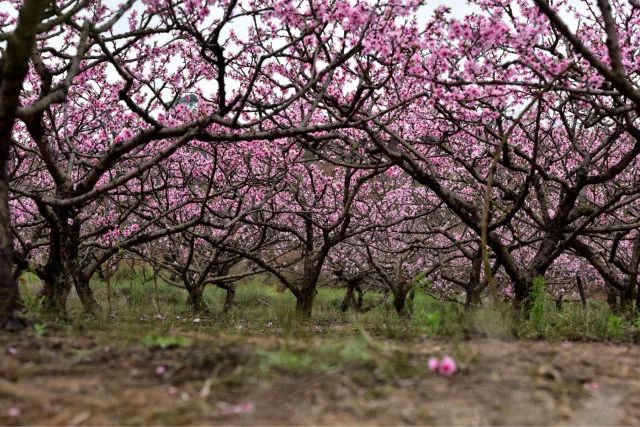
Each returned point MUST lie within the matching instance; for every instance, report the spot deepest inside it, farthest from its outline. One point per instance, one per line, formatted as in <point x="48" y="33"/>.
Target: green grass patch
<point x="137" y="310"/>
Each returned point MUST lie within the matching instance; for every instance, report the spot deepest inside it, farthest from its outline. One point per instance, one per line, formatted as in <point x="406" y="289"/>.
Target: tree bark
<point x="195" y="300"/>
<point x="304" y="301"/>
<point x="14" y="70"/>
<point x="627" y="300"/>
<point x="85" y="293"/>
<point x="473" y="299"/>
<point x="56" y="289"/>
<point x="229" y="297"/>
<point x="349" y="299"/>
<point x="8" y="284"/>
<point x="473" y="290"/>
<point x="63" y="271"/>
<point x="612" y="299"/>
<point x="308" y="291"/>
<point x="400" y="300"/>
<point x="583" y="297"/>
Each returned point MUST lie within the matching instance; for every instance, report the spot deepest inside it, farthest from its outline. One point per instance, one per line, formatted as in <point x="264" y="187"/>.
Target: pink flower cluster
<point x="445" y="367"/>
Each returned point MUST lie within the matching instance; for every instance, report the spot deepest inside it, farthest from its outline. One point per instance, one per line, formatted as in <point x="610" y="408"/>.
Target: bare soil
<point x="91" y="379"/>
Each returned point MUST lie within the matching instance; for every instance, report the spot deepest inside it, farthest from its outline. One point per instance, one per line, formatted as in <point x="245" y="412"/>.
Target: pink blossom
<point x="244" y="408"/>
<point x="447" y="366"/>
<point x="12" y="351"/>
<point x="433" y="364"/>
<point x="161" y="369"/>
<point x="14" y="411"/>
<point x="592" y="386"/>
<point x="124" y="135"/>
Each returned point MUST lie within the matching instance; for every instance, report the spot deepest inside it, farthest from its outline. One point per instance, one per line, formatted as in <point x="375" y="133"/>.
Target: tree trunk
<point x="522" y="298"/>
<point x="473" y="299"/>
<point x="400" y="300"/>
<point x="583" y="297"/>
<point x="8" y="284"/>
<point x="308" y="291"/>
<point x="627" y="300"/>
<point x="195" y="300"/>
<point x="14" y="70"/>
<point x="349" y="299"/>
<point x="473" y="288"/>
<point x="359" y="298"/>
<point x="229" y="297"/>
<point x="56" y="291"/>
<point x="304" y="301"/>
<point x="62" y="270"/>
<point x="612" y="299"/>
<point x="85" y="293"/>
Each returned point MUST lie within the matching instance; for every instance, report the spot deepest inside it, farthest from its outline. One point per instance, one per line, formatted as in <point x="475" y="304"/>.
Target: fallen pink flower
<point x="566" y="344"/>
<point x="245" y="408"/>
<point x="447" y="366"/>
<point x="161" y="369"/>
<point x="172" y="390"/>
<point x="592" y="386"/>
<point x="14" y="411"/>
<point x="433" y="364"/>
<point x="12" y="351"/>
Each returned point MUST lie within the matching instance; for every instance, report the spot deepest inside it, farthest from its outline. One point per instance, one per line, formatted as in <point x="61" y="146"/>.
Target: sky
<point x="458" y="7"/>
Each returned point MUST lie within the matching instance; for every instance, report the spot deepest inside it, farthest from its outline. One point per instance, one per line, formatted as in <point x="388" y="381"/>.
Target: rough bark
<point x="472" y="299"/>
<point x="400" y="296"/>
<point x="627" y="300"/>
<point x="195" y="300"/>
<point x="350" y="299"/>
<point x="304" y="302"/>
<point x="612" y="299"/>
<point x="583" y="297"/>
<point x="14" y="69"/>
<point x="63" y="270"/>
<point x="306" y="293"/>
<point x="8" y="284"/>
<point x="229" y="297"/>
<point x="85" y="293"/>
<point x="474" y="289"/>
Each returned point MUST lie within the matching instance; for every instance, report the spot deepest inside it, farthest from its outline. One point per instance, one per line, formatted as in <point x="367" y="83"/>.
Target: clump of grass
<point x="571" y="321"/>
<point x="537" y="313"/>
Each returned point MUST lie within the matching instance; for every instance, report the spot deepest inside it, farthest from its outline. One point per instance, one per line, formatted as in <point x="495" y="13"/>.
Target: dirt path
<point x="65" y="380"/>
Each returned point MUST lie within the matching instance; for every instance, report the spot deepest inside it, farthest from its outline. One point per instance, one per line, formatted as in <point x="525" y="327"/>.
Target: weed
<point x="615" y="325"/>
<point x="40" y="329"/>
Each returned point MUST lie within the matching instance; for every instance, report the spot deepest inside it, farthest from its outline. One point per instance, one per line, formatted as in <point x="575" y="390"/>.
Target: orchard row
<point x="374" y="144"/>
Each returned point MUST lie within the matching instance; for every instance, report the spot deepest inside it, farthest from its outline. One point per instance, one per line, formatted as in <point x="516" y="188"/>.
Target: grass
<point x="261" y="309"/>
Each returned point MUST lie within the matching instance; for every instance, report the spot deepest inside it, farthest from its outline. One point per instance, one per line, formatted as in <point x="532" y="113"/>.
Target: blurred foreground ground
<point x="70" y="377"/>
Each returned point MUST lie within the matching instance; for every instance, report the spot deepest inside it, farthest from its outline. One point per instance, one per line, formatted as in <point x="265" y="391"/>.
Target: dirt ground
<point x="60" y="379"/>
